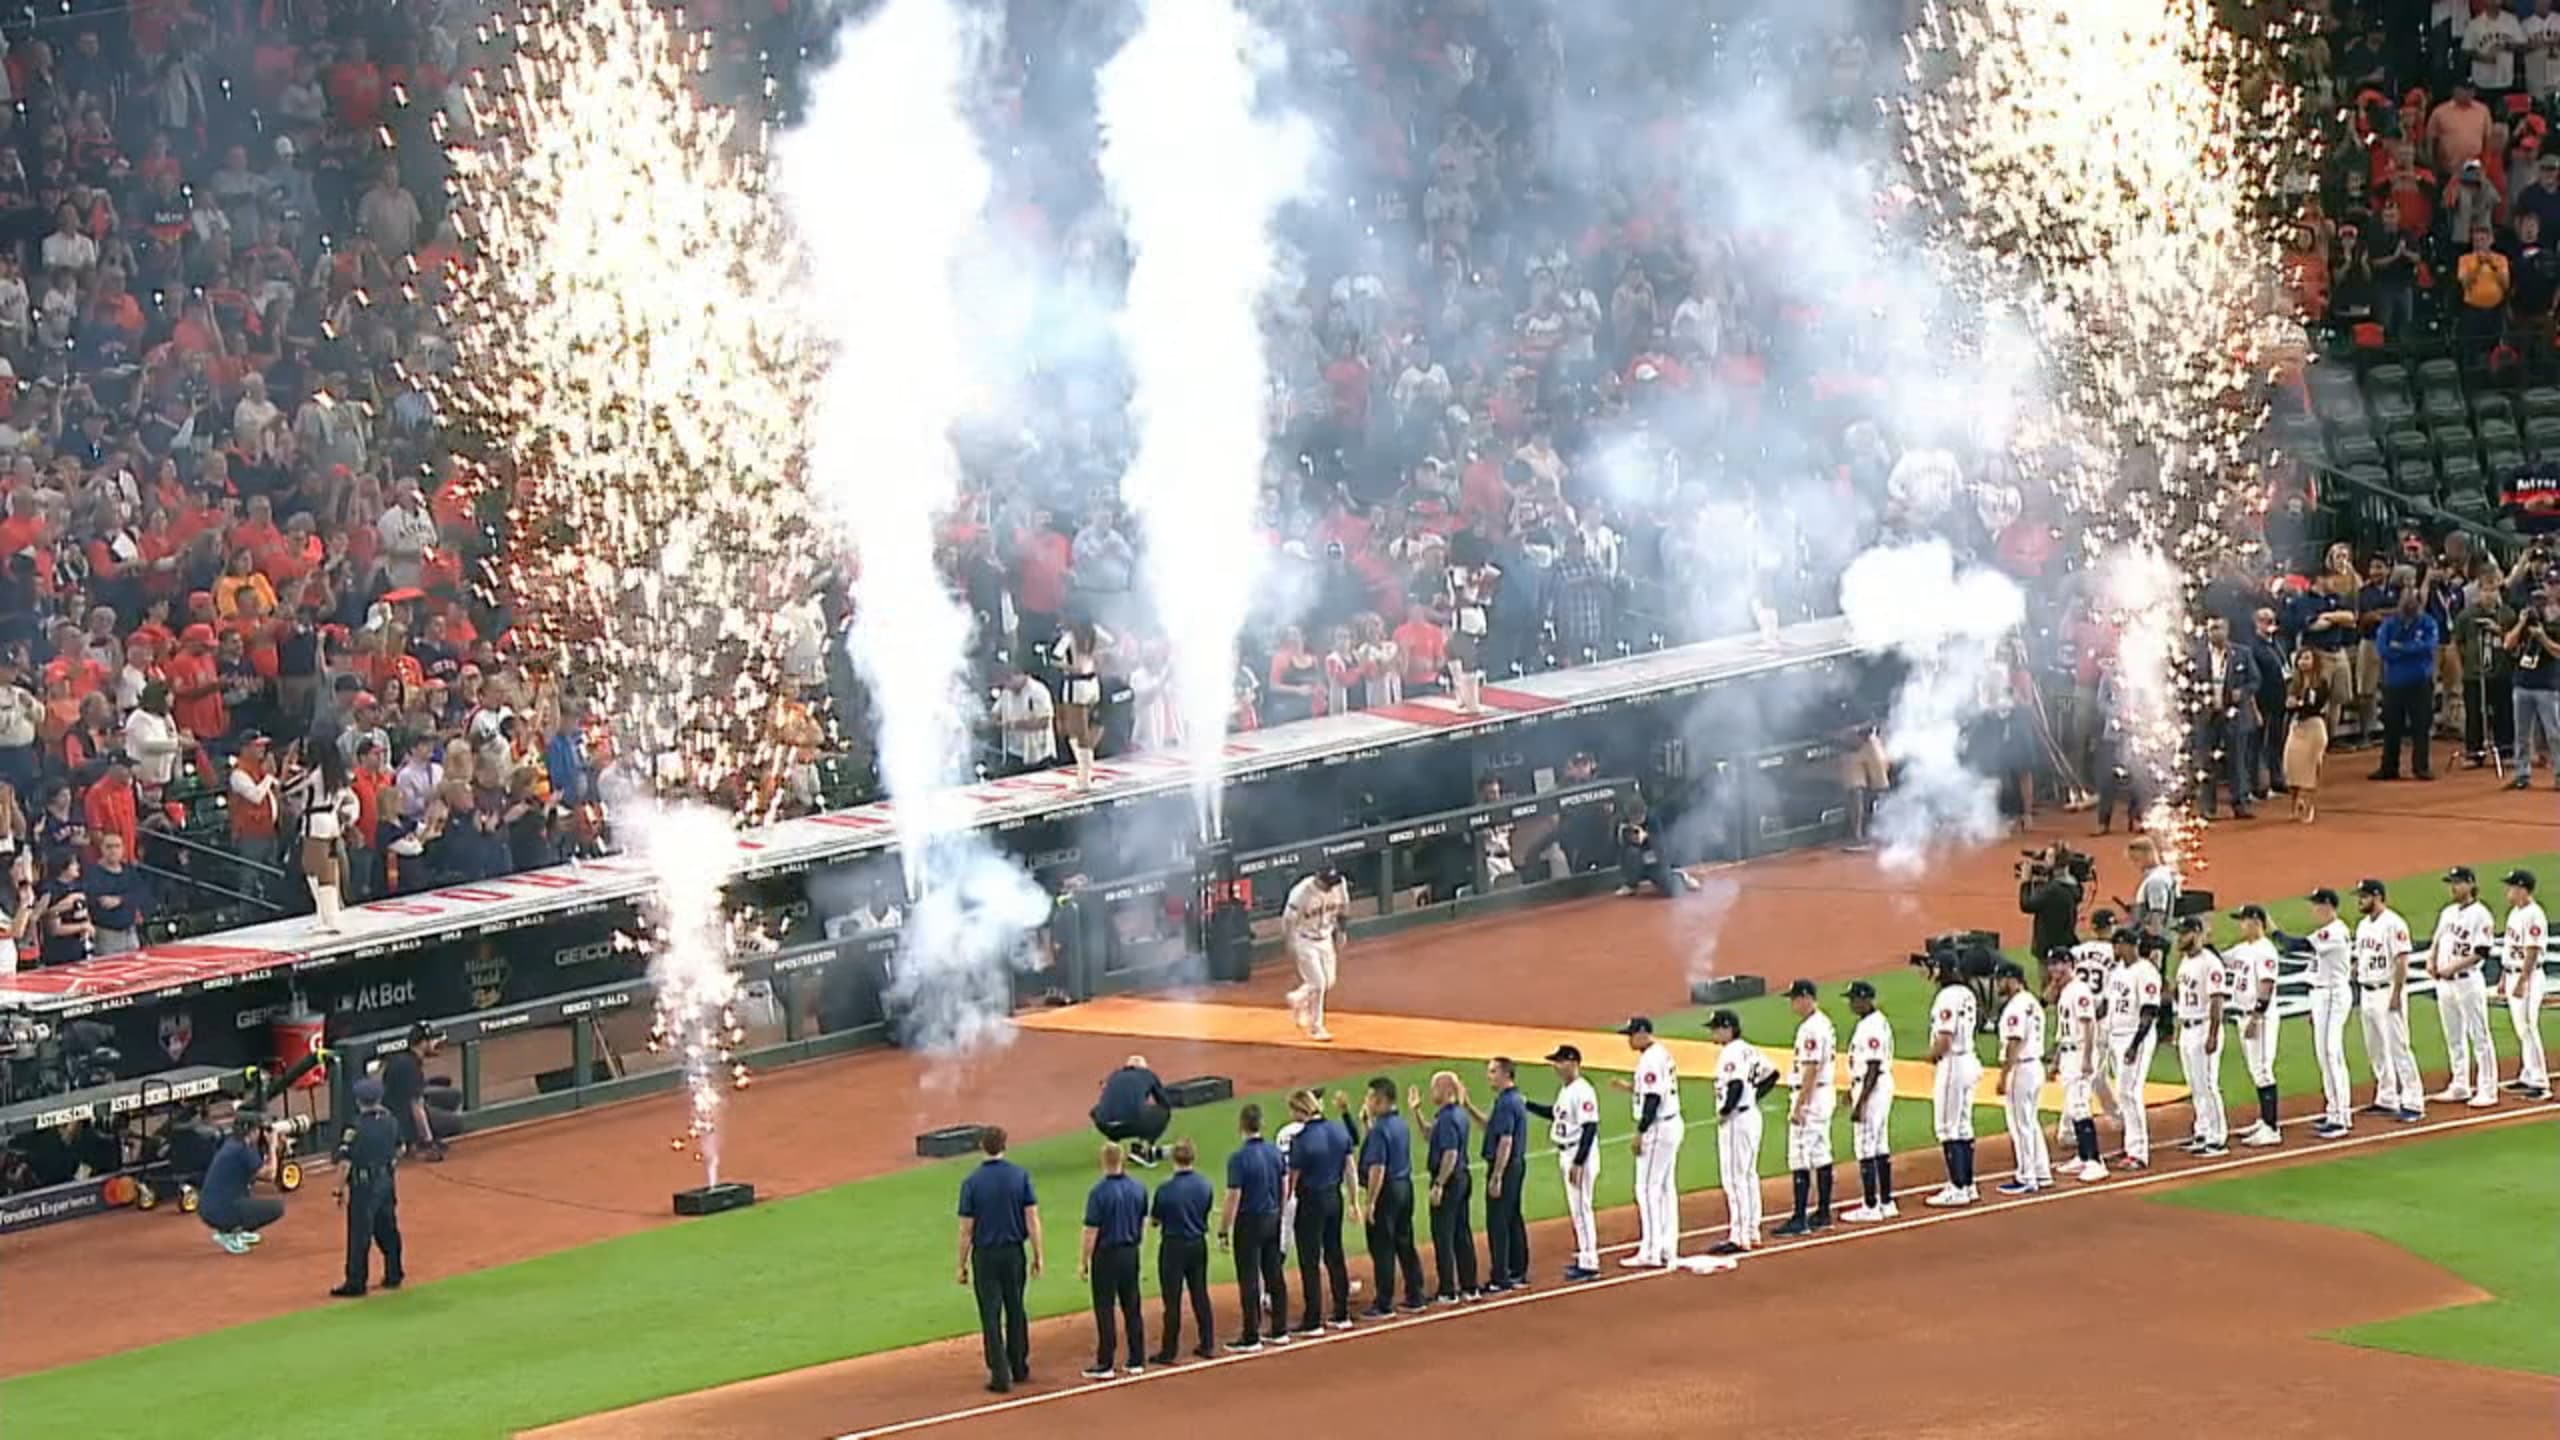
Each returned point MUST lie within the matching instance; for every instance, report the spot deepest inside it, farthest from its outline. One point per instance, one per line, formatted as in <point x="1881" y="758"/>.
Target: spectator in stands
<point x="119" y="898"/>
<point x="2406" y="642"/>
<point x="2486" y="283"/>
<point x="2458" y="131"/>
<point x="1024" y="720"/>
<point x="2535" y="655"/>
<point x="67" y="926"/>
<point x="153" y="740"/>
<point x="256" y="810"/>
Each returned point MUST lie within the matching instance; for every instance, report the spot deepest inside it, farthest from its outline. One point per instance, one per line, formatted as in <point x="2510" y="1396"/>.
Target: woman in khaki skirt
<point x="2306" y="704"/>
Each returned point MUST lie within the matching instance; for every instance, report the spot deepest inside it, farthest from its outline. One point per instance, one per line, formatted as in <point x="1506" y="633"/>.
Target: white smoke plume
<point x="888" y="185"/>
<point x="1949" y="625"/>
<point x="689" y="940"/>
<point x="1198" y="173"/>
<point x="965" y="937"/>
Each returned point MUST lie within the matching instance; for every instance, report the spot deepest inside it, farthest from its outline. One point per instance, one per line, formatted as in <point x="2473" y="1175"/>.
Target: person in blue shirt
<point x="1319" y="1163"/>
<point x="2406" y="641"/>
<point x="999" y="1254"/>
<point x="1181" y="1213"/>
<point x="119" y="899"/>
<point x="1453" y="1236"/>
<point x="1386" y="1184"/>
<point x="1506" y="1169"/>
<point x="225" y="1204"/>
<point x="1251" y="1227"/>
<point x="1115" y="1219"/>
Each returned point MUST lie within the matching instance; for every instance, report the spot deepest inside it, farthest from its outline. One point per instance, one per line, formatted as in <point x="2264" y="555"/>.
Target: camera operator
<point x="225" y="1204"/>
<point x="2536" y="688"/>
<point x="2049" y="882"/>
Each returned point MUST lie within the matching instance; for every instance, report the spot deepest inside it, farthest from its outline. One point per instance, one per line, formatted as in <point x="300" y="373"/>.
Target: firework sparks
<point x="2110" y="163"/>
<point x="630" y="376"/>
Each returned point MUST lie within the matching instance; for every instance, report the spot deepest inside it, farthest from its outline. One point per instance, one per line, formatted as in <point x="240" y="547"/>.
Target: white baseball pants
<point x="2202" y="1066"/>
<point x="2258" y="1050"/>
<point x="2079" y="1080"/>
<point x="1315" y="977"/>
<point x="1577" y="1204"/>
<point x="2462" y="1007"/>
<point x="1868" y="1133"/>
<point x="1951" y="1096"/>
<point x="2026" y="1137"/>
<point x="1658" y="1192"/>
<point x="1738" y="1170"/>
<point x="2329" y="1047"/>
<point x="2524" y="1012"/>
<point x="1809" y="1140"/>
<point x="2130" y="1074"/>
<point x="2386" y="1049"/>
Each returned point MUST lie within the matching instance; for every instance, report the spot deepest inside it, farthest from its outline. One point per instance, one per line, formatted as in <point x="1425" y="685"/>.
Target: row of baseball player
<point x="2107" y="1019"/>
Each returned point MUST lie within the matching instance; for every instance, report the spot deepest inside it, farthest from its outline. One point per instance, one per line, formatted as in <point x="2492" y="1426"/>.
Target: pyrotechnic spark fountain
<point x="1198" y="177"/>
<point x="2112" y="164"/>
<point x="630" y="377"/>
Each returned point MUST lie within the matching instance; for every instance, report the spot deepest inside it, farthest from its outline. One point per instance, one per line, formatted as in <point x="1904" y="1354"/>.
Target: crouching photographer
<point x="254" y="1153"/>
<point x="2051" y="883"/>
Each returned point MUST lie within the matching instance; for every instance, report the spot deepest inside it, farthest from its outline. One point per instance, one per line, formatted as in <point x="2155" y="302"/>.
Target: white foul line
<point x="2117" y="1183"/>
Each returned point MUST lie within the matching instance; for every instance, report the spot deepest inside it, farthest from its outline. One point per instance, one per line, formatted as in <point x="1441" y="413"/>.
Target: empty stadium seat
<point x="2369" y="475"/>
<point x="2542" y="436"/>
<point x="2461" y="473"/>
<point x="2389" y="379"/>
<point x="2503" y="463"/>
<point x="2541" y="400"/>
<point x="2418" y="477"/>
<point x="2492" y="404"/>
<point x="2454" y="440"/>
<point x="2351" y="450"/>
<point x="2444" y="405"/>
<point x="2390" y="411"/>
<point x="2439" y="373"/>
<point x="2408" y="445"/>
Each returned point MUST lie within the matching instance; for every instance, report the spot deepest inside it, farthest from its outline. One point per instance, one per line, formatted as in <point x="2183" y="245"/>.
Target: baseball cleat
<point x="2091" y="1172"/>
<point x="1727" y="1248"/>
<point x="1889" y="1211"/>
<point x="1818" y="1223"/>
<point x="1860" y="1214"/>
<point x="2543" y="1094"/>
<point x="1794" y="1225"/>
<point x="2519" y="1086"/>
<point x="2451" y="1096"/>
<point x="1947" y="1198"/>
<point x="2129" y="1163"/>
<point x="2329" y="1130"/>
<point x="2482" y="1102"/>
<point x="1575" y="1274"/>
<point x="1637" y="1261"/>
<point x="2019" y="1187"/>
<point x="2213" y="1152"/>
<point x="2410" y="1117"/>
<point x="2262" y="1137"/>
<point x="1379" y="1312"/>
<point x="1320" y="1034"/>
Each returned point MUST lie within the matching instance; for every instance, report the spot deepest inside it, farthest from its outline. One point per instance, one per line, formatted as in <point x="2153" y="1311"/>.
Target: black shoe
<point x="1097" y="1372"/>
<point x="1205" y="1350"/>
<point x="1379" y="1311"/>
<point x="348" y="1292"/>
<point x="1162" y="1357"/>
<point x="1821" y="1221"/>
<point x="999" y="1387"/>
<point x="1498" y="1287"/>
<point x="1727" y="1248"/>
<point x="2384" y="775"/>
<point x="2425" y="775"/>
<point x="1245" y="1345"/>
<point x="1794" y="1226"/>
<point x="2242" y="812"/>
<point x="393" y="1282"/>
<point x="1021" y="1374"/>
<point x="1310" y="1327"/>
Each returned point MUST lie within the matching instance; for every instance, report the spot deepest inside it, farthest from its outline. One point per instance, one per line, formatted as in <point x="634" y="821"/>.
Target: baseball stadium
<point x="1054" y="717"/>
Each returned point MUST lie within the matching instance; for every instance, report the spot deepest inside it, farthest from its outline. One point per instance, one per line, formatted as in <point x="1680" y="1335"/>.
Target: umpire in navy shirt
<point x="1134" y="1109"/>
<point x="1115" y="1219"/>
<point x="1319" y="1161"/>
<point x="1453" y="1235"/>
<point x="1386" y="1176"/>
<point x="1182" y="1253"/>
<point x="1506" y="1170"/>
<point x="999" y="1227"/>
<point x="1253" y="1228"/>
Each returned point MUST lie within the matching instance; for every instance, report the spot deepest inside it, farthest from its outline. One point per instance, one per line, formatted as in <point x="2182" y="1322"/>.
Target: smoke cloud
<point x="690" y="940"/>
<point x="1198" y="176"/>
<point x="1951" y="625"/>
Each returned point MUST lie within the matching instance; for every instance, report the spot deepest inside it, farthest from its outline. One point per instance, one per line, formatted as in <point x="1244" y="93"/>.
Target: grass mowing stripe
<point x="2480" y="1205"/>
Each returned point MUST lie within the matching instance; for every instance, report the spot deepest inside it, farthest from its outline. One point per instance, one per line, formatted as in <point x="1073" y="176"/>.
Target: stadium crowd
<point x="1521" y="412"/>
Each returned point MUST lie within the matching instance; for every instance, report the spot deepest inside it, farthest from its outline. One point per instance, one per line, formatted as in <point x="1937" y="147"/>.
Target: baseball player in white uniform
<point x="2250" y="966"/>
<point x="1870" y="1101"/>
<point x="2199" y="990"/>
<point x="1743" y="1075"/>
<point x="1810" y="1072"/>
<point x="2464" y="932"/>
<point x="1656" y="1087"/>
<point x="1303" y="1108"/>
<point x="2022" y="1080"/>
<point x="1573" y="1123"/>
<point x="2382" y="978"/>
<point x="1956" y="1069"/>
<point x="2071" y="986"/>
<point x="2332" y="973"/>
<point x="2521" y="982"/>
<point x="1315" y="921"/>
<point x="2131" y="1014"/>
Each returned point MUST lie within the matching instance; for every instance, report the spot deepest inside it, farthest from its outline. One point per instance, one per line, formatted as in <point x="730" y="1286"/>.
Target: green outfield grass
<point x="848" y="1271"/>
<point x="2478" y="1204"/>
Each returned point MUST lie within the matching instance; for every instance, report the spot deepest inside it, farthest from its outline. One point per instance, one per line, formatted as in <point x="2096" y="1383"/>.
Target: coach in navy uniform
<point x="1386" y="1175"/>
<point x="1115" y="1219"/>
<point x="1506" y="1170"/>
<point x="999" y="1253"/>
<point x="1253" y="1228"/>
<point x="1319" y="1161"/>
<point x="1134" y="1109"/>
<point x="1181" y="1210"/>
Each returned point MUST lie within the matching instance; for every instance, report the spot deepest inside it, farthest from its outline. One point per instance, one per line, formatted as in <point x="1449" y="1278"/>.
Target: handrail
<point x="2506" y="540"/>
<point x="199" y="883"/>
<point x="227" y="857"/>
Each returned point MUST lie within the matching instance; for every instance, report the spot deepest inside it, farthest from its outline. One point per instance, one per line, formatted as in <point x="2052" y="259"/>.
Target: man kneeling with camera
<point x="254" y="1152"/>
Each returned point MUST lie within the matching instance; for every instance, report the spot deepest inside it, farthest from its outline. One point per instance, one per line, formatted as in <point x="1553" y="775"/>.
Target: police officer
<point x="1181" y="1210"/>
<point x="368" y="1156"/>
<point x="1134" y="1109"/>
<point x="1252" y="1227"/>
<point x="1319" y="1160"/>
<point x="1386" y="1178"/>
<point x="1115" y="1218"/>
<point x="999" y="1228"/>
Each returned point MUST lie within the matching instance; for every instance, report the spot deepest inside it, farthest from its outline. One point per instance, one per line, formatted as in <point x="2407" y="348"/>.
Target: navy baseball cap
<point x="1565" y="1052"/>
<point x="2324" y="896"/>
<point x="2521" y="878"/>
<point x="1804" y="988"/>
<point x="2460" y="875"/>
<point x="2190" y="923"/>
<point x="369" y="1091"/>
<point x="2125" y="936"/>
<point x="2102" y="918"/>
<point x="2009" y="970"/>
<point x="1725" y="1020"/>
<point x="1637" y="1025"/>
<point x="2372" y="887"/>
<point x="2251" y="912"/>
<point x="1860" y="990"/>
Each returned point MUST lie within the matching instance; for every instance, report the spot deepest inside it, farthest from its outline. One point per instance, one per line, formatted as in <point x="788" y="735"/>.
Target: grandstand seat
<point x="2492" y="404"/>
<point x="2349" y="450"/>
<point x="2461" y="473"/>
<point x="2454" y="440"/>
<point x="2300" y="436"/>
<point x="2387" y="379"/>
<point x="2541" y="400"/>
<point x="2499" y="433"/>
<point x="2328" y="383"/>
<point x="2391" y="410"/>
<point x="2472" y="505"/>
<point x="2418" y="477"/>
<point x="2542" y="436"/>
<point x="2503" y="463"/>
<point x="2440" y="373"/>
<point x="2377" y="520"/>
<point x="2410" y="444"/>
<point x="2368" y="475"/>
<point x="2444" y="405"/>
